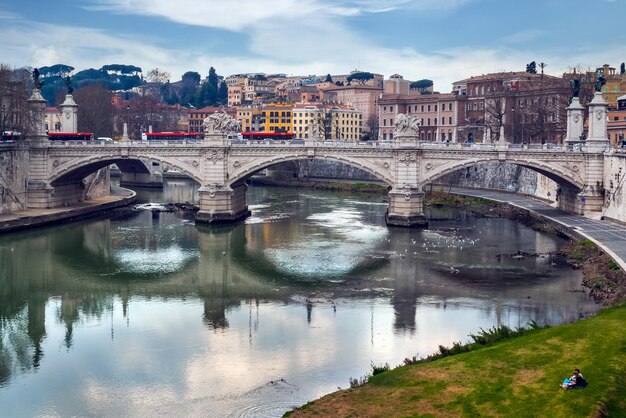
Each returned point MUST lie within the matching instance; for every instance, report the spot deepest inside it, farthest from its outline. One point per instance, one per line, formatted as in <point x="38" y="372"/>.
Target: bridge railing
<point x="324" y="144"/>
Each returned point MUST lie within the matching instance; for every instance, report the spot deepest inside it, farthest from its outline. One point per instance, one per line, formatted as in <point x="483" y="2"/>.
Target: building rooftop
<point x="506" y="75"/>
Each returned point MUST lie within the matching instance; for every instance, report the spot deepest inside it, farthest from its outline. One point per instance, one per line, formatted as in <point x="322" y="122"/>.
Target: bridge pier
<point x="222" y="204"/>
<point x="406" y="207"/>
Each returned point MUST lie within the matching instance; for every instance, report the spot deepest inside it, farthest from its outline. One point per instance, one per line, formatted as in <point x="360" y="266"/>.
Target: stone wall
<point x="319" y="170"/>
<point x="502" y="176"/>
<point x="12" y="178"/>
<point x="615" y="187"/>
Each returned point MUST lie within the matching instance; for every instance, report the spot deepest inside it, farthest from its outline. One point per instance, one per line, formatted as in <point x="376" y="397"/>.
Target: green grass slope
<point x="517" y="377"/>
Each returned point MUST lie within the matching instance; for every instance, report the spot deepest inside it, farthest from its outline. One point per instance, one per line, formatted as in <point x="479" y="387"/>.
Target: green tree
<point x="222" y="93"/>
<point x="360" y="77"/>
<point x="191" y="78"/>
<point x="329" y="79"/>
<point x="531" y="67"/>
<point x="422" y="85"/>
<point x="188" y="93"/>
<point x="622" y="69"/>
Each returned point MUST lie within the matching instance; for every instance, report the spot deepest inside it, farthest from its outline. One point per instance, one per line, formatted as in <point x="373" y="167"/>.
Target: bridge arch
<point x="555" y="172"/>
<point x="244" y="171"/>
<point x="78" y="169"/>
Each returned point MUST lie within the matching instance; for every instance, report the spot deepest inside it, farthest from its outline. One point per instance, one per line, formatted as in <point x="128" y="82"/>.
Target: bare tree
<point x="13" y="100"/>
<point x="95" y="110"/>
<point x="326" y="125"/>
<point x="157" y="75"/>
<point x="373" y="125"/>
<point x="498" y="106"/>
<point x="141" y="112"/>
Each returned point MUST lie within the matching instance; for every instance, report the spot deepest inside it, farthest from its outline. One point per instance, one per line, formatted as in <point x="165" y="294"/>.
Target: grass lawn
<point x="517" y="377"/>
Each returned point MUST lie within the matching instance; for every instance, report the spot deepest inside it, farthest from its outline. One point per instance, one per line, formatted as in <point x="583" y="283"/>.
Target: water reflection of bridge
<point x="88" y="280"/>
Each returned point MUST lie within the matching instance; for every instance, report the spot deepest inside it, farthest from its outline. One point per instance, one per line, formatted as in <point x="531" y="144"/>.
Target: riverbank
<point x="31" y="218"/>
<point x="518" y="376"/>
<point x="520" y="373"/>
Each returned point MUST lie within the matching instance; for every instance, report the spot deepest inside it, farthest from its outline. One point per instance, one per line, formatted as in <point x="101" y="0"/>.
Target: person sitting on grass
<point x="576" y="381"/>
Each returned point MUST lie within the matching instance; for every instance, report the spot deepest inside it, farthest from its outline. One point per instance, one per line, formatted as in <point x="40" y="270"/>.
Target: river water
<point x="146" y="314"/>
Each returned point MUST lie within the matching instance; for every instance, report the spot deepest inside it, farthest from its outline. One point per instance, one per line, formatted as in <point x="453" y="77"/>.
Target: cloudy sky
<point x="444" y="40"/>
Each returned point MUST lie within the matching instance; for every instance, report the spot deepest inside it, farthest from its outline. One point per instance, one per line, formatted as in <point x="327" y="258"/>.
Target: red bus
<point x="267" y="135"/>
<point x="70" y="136"/>
<point x="168" y="136"/>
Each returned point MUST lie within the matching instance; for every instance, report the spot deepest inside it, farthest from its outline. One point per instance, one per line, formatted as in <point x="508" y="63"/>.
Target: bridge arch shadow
<point x="378" y="174"/>
<point x="561" y="177"/>
<point x="78" y="170"/>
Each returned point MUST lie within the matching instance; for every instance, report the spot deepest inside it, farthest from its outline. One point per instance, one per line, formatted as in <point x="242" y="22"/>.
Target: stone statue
<point x="314" y="131"/>
<point x="575" y="87"/>
<point x="220" y="122"/>
<point x="601" y="81"/>
<point x="68" y="85"/>
<point x="406" y="125"/>
<point x="38" y="83"/>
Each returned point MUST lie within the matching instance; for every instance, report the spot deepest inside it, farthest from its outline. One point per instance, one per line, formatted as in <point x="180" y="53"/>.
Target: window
<point x="435" y="108"/>
<point x="443" y="120"/>
<point x="390" y="122"/>
<point x="429" y="108"/>
<point x="428" y="121"/>
<point x="422" y="108"/>
<point x="450" y="120"/>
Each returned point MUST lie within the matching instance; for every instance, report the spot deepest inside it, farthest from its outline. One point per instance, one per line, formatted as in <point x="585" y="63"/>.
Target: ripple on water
<point x="163" y="260"/>
<point x="284" y="397"/>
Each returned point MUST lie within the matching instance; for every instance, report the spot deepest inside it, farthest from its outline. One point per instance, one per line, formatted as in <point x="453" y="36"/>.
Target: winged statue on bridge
<point x="220" y="122"/>
<point x="406" y="125"/>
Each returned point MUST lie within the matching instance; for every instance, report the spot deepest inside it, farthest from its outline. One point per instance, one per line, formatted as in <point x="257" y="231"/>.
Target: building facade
<point x="364" y="99"/>
<point x="525" y="107"/>
<point x="333" y="122"/>
<point x="438" y="114"/>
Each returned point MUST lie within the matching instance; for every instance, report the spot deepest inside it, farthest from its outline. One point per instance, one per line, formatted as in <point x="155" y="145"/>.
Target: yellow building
<point x="278" y="117"/>
<point x="333" y="122"/>
<point x="247" y="117"/>
<point x="615" y="84"/>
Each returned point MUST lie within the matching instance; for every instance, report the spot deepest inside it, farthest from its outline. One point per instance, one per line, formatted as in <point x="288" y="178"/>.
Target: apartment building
<point x="363" y="99"/>
<point x="617" y="123"/>
<point x="251" y="119"/>
<point x="528" y="108"/>
<point x="615" y="86"/>
<point x="438" y="114"/>
<point x="333" y="122"/>
<point x="277" y="117"/>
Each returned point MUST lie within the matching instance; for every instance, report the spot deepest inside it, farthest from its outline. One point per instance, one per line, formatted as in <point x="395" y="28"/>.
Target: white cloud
<point x="523" y="36"/>
<point x="322" y="45"/>
<point x="238" y="15"/>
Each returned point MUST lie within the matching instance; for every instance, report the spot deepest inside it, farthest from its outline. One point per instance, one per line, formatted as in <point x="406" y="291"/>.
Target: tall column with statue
<point x="575" y="118"/>
<point x="69" y="110"/>
<point x="38" y="191"/>
<point x="590" y="199"/>
<point x="220" y="202"/>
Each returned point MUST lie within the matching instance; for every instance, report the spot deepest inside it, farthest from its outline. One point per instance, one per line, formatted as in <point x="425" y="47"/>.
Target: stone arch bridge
<point x="221" y="166"/>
